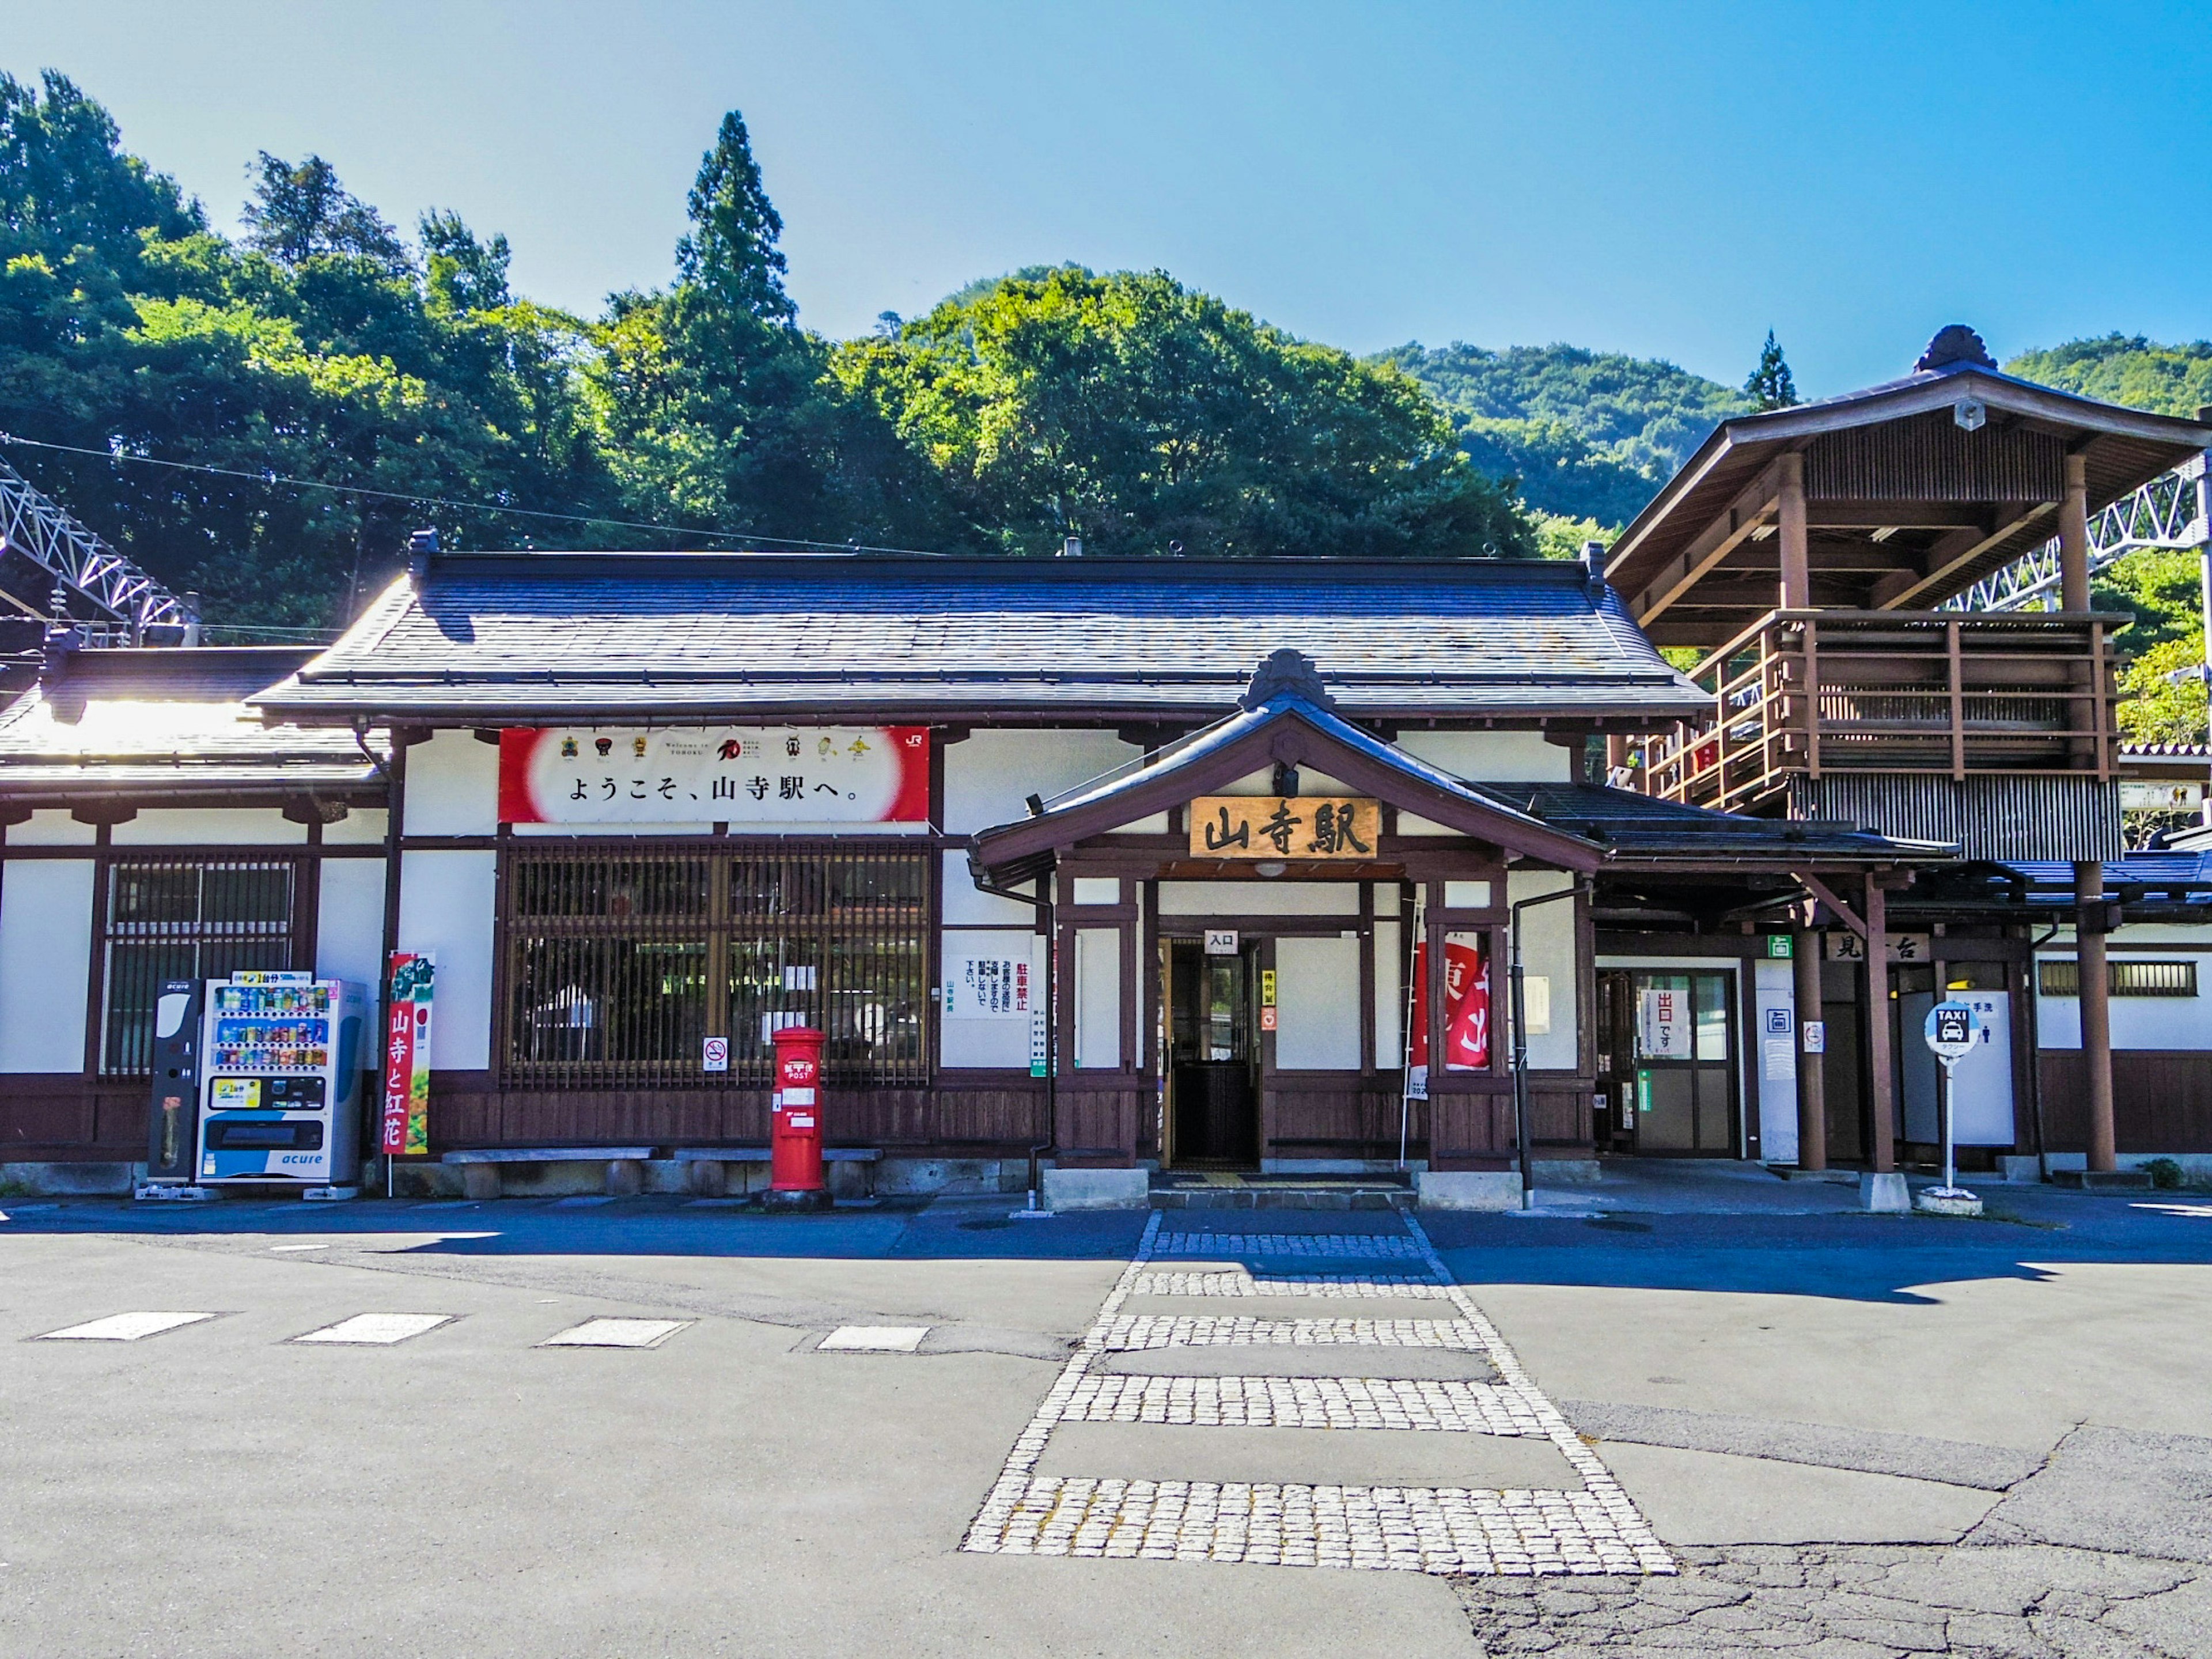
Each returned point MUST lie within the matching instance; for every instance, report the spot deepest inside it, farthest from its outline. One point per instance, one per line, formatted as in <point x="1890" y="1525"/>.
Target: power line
<point x="441" y="500"/>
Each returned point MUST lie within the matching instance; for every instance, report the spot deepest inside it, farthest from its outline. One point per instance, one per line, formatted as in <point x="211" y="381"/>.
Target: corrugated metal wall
<point x="1990" y="817"/>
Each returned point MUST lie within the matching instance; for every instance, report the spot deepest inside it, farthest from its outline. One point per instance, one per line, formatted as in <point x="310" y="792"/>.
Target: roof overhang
<point x="1690" y="541"/>
<point x="1285" y="730"/>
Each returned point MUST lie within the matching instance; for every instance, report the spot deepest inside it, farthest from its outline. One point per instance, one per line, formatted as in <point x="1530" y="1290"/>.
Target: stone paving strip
<point x="125" y="1326"/>
<point x="1302" y="1402"/>
<point x="1436" y="1529"/>
<point x="1216" y="1246"/>
<point x="1244" y="1284"/>
<point x="1127" y="1332"/>
<point x="1595" y="1531"/>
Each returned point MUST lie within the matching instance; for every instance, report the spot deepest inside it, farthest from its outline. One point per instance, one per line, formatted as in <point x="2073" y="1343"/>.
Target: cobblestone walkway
<point x="1861" y="1601"/>
<point x="1593" y="1530"/>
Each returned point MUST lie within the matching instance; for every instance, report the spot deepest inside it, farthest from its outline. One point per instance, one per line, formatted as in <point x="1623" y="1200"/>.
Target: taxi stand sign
<point x="1951" y="1030"/>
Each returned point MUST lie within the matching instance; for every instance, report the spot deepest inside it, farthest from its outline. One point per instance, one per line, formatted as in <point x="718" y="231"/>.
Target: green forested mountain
<point x="323" y="345"/>
<point x="2165" y="701"/>
<point x="1589" y="434"/>
<point x="2124" y="368"/>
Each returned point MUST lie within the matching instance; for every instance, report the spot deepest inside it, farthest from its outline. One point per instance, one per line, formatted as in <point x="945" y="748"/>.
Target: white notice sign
<point x="1662" y="1025"/>
<point x="987" y="985"/>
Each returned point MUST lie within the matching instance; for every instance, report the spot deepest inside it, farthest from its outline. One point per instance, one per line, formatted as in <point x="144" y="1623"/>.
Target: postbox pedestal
<point x="795" y="1177"/>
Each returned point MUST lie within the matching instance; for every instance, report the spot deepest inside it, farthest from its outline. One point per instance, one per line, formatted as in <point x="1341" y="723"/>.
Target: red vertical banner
<point x="406" y="1117"/>
<point x="1467" y="1013"/>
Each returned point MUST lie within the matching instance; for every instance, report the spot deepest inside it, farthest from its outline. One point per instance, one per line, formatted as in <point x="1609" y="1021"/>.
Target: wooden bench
<point x="479" y="1166"/>
<point x="710" y="1174"/>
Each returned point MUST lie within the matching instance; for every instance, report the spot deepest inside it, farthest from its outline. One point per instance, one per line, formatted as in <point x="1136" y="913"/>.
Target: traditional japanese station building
<point x="1117" y="866"/>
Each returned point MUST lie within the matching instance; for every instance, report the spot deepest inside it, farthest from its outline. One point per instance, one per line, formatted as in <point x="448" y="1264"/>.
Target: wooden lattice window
<point x="620" y="961"/>
<point x="164" y="918"/>
<point x="2169" y="977"/>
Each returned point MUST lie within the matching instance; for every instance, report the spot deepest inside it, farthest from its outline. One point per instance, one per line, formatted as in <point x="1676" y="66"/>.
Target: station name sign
<point x="1284" y="826"/>
<point x="761" y="776"/>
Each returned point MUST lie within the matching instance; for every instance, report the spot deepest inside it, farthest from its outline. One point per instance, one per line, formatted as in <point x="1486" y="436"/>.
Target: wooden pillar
<point x="2096" y="1014"/>
<point x="1882" y="1066"/>
<point x="1811" y="1084"/>
<point x="1797" y="563"/>
<point x="2074" y="537"/>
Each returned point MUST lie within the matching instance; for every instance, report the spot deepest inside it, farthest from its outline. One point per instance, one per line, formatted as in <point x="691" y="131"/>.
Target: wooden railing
<point x="1801" y="693"/>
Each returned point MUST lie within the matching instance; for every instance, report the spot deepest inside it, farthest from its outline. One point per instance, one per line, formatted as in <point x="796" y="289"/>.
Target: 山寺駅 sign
<point x="772" y="776"/>
<point x="1284" y="826"/>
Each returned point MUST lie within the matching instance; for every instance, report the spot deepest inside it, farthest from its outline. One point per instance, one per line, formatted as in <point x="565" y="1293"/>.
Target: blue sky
<point x="1669" y="180"/>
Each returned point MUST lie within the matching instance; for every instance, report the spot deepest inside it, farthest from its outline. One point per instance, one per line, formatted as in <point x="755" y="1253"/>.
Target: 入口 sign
<point x="1284" y="826"/>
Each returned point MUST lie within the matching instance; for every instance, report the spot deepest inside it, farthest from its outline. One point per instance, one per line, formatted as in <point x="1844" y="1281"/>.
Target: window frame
<point x="2061" y="977"/>
<point x="718" y="930"/>
<point x="295" y="932"/>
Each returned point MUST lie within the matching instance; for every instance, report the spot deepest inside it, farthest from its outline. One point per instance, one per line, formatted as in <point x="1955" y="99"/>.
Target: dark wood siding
<point x="2161" y="1100"/>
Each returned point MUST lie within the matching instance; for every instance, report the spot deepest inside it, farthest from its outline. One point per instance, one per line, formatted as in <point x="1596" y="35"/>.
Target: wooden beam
<point x="1790" y="509"/>
<point x="1820" y="891"/>
<point x="1728" y="529"/>
<point x="2074" y="536"/>
<point x="1893" y="515"/>
<point x="1957" y="550"/>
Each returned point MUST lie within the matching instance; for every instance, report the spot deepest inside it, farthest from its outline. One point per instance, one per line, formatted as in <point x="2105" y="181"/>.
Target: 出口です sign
<point x="1284" y="826"/>
<point x="754" y="775"/>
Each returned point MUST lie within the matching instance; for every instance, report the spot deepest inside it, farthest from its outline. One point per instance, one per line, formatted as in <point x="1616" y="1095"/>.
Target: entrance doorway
<point x="1669" y="1049"/>
<point x="1213" y="1056"/>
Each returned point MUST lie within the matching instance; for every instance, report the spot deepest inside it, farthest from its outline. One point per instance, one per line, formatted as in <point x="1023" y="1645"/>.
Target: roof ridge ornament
<point x="1954" y="342"/>
<point x="1285" y="673"/>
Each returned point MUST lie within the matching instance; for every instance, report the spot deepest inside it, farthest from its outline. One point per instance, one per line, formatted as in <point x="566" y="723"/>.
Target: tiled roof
<point x="168" y="721"/>
<point x="1635" y="827"/>
<point x="516" y="636"/>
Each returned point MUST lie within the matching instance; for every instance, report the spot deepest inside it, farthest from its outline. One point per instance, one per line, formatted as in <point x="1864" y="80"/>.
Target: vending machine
<point x="280" y="1070"/>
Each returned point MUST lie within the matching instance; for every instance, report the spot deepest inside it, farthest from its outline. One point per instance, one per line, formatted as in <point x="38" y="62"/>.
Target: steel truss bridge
<point x="2168" y="512"/>
<point x="110" y="599"/>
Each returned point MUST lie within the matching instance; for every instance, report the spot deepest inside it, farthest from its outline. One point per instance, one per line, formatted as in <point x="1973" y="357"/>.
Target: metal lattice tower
<point x="127" y="599"/>
<point x="2168" y="512"/>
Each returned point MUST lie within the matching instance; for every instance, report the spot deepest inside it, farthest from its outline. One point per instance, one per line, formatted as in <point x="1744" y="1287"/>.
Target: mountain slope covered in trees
<point x="1589" y="434"/>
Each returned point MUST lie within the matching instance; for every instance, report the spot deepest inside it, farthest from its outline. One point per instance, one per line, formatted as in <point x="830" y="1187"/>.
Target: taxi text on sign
<point x="1284" y="826"/>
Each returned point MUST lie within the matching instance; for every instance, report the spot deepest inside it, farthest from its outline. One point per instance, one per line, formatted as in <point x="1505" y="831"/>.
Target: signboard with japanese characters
<point x="1662" y="1024"/>
<point x="1284" y="826"/>
<point x="988" y="984"/>
<point x="757" y="776"/>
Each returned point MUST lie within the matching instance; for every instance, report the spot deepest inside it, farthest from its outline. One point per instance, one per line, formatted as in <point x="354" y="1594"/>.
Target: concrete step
<point x="2103" y="1181"/>
<point x="1261" y="1194"/>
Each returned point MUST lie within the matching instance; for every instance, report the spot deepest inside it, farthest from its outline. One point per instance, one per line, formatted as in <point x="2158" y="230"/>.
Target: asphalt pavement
<point x="1833" y="1421"/>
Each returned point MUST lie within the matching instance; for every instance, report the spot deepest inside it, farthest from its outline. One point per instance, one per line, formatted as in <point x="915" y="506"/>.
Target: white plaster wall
<point x="452" y="789"/>
<point x="361" y="827"/>
<point x="445" y="906"/>
<point x="1260" y="898"/>
<point x="1389" y="997"/>
<point x="1490" y="756"/>
<point x="1097" y="998"/>
<point x="1548" y="947"/>
<point x="988" y="777"/>
<point x="963" y="901"/>
<point x="243" y="826"/>
<point x="2137" y="1022"/>
<point x="45" y="964"/>
<point x="1317" y="1004"/>
<point x="349" y="927"/>
<point x="1775" y="991"/>
<point x="51" y="829"/>
<point x="1002" y="1042"/>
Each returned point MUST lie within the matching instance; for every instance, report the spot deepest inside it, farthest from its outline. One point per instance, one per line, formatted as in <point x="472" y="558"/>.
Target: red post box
<point x="795" y="1140"/>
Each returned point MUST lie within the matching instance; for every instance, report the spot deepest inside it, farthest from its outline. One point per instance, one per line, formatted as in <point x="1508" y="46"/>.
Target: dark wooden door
<point x="1213" y="1056"/>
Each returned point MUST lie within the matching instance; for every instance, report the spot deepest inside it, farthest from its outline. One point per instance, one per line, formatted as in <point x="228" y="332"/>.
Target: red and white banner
<point x="773" y="776"/>
<point x="1467" y="1013"/>
<point x="409" y="983"/>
